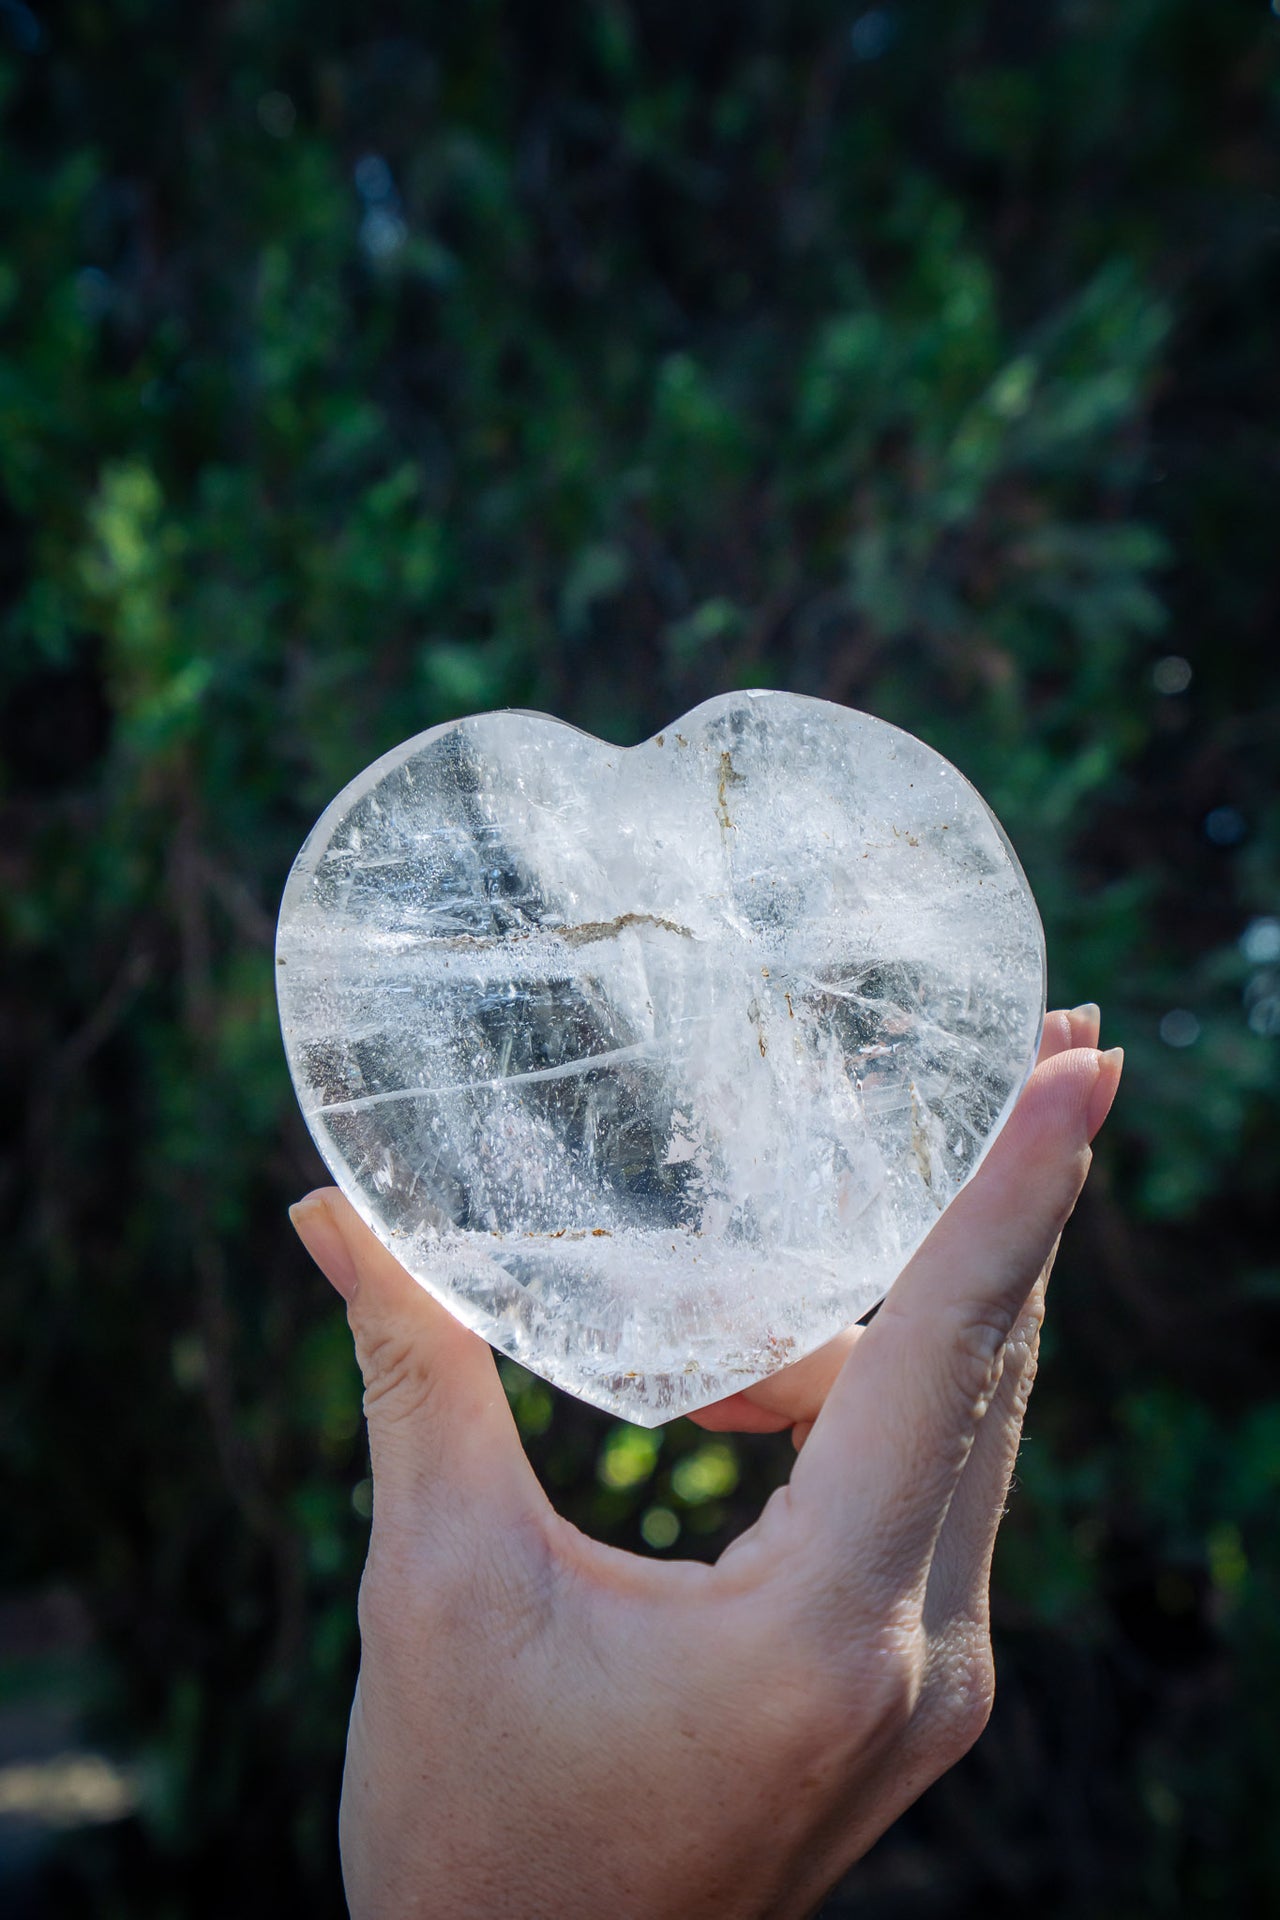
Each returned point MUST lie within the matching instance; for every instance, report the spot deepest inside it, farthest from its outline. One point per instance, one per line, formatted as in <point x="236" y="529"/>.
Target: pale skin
<point x="547" y="1726"/>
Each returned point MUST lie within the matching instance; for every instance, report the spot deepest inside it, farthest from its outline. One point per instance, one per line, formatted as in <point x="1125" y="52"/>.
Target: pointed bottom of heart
<point x="678" y="1336"/>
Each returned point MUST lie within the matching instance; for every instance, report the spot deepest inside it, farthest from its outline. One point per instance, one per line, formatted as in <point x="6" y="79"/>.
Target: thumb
<point x="440" y="1430"/>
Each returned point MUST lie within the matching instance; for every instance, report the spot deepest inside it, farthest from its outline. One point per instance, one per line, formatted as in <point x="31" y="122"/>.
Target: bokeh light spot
<point x="706" y="1474"/>
<point x="659" y="1528"/>
<point x="1260" y="941"/>
<point x="1180" y="1028"/>
<point x="373" y="179"/>
<point x="1225" y="826"/>
<point x="628" y="1456"/>
<point x="871" y="34"/>
<point x="1172" y="674"/>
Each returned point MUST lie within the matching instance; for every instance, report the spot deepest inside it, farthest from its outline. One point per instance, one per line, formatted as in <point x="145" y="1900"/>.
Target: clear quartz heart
<point x="656" y="1065"/>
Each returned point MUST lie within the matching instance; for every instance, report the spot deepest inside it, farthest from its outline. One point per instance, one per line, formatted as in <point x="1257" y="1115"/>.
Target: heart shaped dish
<point x="656" y="1065"/>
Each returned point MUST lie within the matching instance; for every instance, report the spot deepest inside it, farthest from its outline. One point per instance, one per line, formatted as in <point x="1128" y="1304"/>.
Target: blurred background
<point x="365" y="365"/>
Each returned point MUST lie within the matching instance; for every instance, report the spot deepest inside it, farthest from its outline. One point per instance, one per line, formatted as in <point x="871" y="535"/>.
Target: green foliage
<point x="361" y="370"/>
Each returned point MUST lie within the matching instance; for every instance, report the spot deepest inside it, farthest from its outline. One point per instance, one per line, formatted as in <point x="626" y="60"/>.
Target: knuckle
<point x="1029" y="1321"/>
<point x="1025" y="1382"/>
<point x="976" y="1353"/>
<point x="965" y="1695"/>
<point x="397" y="1380"/>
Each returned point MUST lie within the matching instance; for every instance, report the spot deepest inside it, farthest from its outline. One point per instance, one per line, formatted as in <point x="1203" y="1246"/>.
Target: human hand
<point x="548" y="1726"/>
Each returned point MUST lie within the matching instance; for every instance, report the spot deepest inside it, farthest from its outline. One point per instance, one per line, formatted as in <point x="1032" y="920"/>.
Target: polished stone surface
<point x="657" y="1064"/>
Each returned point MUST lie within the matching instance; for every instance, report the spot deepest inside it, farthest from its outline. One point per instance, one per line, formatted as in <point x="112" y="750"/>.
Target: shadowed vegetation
<point x="364" y="367"/>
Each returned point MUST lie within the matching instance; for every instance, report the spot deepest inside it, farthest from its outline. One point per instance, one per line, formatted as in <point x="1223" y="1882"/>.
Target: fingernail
<point x="1087" y="1010"/>
<point x="1104" y="1092"/>
<point x="314" y="1226"/>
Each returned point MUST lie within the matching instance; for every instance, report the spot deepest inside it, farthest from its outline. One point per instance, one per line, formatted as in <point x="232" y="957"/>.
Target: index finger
<point x="875" y="1479"/>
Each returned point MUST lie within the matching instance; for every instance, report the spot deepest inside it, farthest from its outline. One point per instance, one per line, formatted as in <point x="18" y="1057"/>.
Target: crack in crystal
<point x="584" y="936"/>
<point x="567" y="1070"/>
<point x="948" y="1037"/>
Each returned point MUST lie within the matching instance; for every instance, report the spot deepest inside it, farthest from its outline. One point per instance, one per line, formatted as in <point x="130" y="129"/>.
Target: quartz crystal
<point x="655" y="1065"/>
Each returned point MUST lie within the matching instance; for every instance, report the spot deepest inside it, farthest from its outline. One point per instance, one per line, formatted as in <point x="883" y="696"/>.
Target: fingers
<point x="793" y="1397"/>
<point x="441" y="1434"/>
<point x="960" y="1575"/>
<point x="1077" y="1028"/>
<point x="789" y="1398"/>
<point x="884" y="1457"/>
<point x="803" y="1388"/>
<point x="738" y="1414"/>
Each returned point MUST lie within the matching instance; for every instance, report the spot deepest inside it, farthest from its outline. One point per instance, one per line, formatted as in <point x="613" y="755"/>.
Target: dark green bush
<point x="358" y="369"/>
